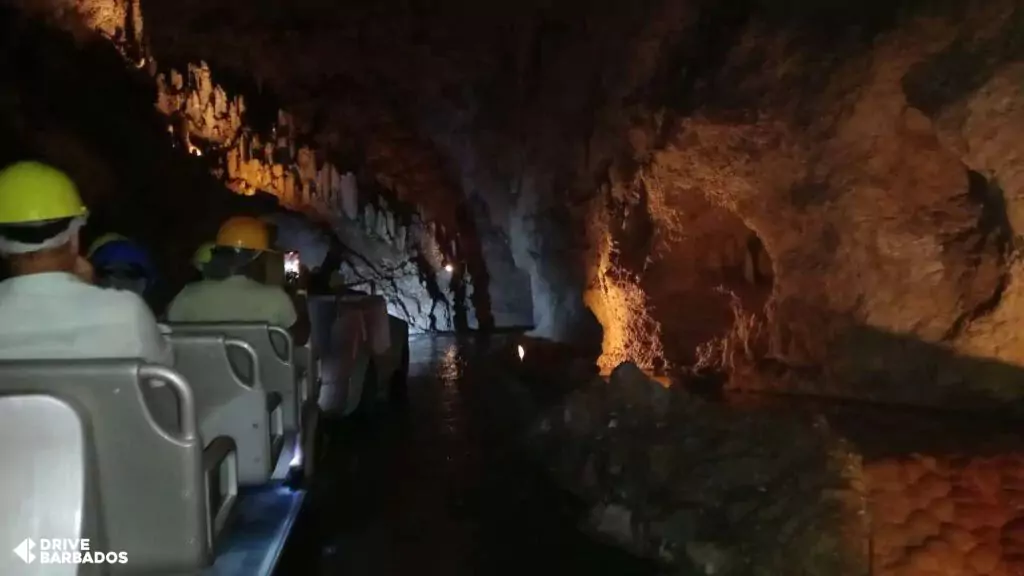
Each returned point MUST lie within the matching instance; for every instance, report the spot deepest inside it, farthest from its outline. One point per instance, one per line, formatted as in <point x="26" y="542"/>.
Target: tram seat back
<point x="230" y="399"/>
<point x="100" y="465"/>
<point x="274" y="347"/>
<point x="44" y="455"/>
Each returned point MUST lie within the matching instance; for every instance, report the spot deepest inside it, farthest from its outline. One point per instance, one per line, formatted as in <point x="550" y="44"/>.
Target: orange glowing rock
<point x="959" y="538"/>
<point x="980" y="515"/>
<point x="916" y="468"/>
<point x="960" y="493"/>
<point x="885" y="476"/>
<point x="984" y="558"/>
<point x="932" y="487"/>
<point x="890" y="539"/>
<point x="891" y="507"/>
<point x="985" y="478"/>
<point x="943" y="510"/>
<point x="921" y="525"/>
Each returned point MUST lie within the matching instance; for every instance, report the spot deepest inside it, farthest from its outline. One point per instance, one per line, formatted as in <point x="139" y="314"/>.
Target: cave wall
<point x="621" y="157"/>
<point x="889" y="255"/>
<point x="399" y="244"/>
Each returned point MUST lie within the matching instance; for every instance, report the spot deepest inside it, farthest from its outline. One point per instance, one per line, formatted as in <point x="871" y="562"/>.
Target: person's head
<point x="41" y="213"/>
<point x="240" y="241"/>
<point x="202" y="256"/>
<point x="123" y="264"/>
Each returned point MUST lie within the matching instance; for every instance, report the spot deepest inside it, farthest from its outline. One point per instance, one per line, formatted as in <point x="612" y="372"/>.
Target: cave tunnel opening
<point x="703" y="281"/>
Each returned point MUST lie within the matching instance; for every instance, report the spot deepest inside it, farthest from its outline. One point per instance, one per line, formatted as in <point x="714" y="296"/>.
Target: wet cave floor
<point x="443" y="483"/>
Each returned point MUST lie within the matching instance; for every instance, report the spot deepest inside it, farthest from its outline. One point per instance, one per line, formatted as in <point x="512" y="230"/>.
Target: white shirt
<point x="234" y="299"/>
<point x="55" y="315"/>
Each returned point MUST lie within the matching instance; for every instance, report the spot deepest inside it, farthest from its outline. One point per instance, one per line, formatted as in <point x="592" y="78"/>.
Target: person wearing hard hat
<point x="200" y="258"/>
<point x="229" y="292"/>
<point x="49" y="308"/>
<point x="203" y="255"/>
<point x="123" y="264"/>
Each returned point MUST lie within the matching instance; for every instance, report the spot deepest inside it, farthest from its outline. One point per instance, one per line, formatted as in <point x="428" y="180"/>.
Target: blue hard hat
<point x="124" y="255"/>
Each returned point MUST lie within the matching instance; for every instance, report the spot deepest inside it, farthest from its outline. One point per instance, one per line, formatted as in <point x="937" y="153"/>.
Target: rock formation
<point x="853" y="169"/>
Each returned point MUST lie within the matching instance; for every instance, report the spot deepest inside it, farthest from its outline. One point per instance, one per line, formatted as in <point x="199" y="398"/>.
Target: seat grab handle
<point x="187" y="414"/>
<point x="289" y="343"/>
<point x="253" y="357"/>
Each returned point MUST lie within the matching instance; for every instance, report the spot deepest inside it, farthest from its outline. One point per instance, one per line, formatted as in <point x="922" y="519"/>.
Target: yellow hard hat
<point x="103" y="241"/>
<point x="203" y="255"/>
<point x="244" y="232"/>
<point x="35" y="192"/>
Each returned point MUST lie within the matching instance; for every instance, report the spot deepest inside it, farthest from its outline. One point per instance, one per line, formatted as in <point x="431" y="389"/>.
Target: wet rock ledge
<point x="777" y="488"/>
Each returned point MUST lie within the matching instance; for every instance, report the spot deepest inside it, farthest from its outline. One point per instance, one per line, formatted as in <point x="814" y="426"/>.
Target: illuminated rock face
<point x="947" y="515"/>
<point x="400" y="245"/>
<point x="870" y="155"/>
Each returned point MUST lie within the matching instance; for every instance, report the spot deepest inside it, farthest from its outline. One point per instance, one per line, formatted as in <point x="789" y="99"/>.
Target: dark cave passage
<point x="448" y="483"/>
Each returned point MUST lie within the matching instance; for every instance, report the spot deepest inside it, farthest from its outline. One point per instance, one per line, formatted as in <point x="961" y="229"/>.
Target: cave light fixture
<point x="449" y="268"/>
<point x="521" y="351"/>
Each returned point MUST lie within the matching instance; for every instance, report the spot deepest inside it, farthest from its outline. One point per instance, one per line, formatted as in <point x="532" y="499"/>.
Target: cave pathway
<point x="442" y="484"/>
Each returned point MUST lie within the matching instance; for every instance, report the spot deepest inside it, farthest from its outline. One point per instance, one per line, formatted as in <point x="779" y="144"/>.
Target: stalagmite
<point x="233" y="163"/>
<point x="323" y="181"/>
<point x="306" y="164"/>
<point x="382" y="224"/>
<point x="335" y="187"/>
<point x="369" y="218"/>
<point x="350" y="196"/>
<point x="400" y="237"/>
<point x="289" y="187"/>
<point x="390" y="222"/>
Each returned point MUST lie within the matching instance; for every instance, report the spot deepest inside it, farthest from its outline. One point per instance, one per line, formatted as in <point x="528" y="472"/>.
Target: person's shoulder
<point x="98" y="294"/>
<point x="126" y="298"/>
<point x="198" y="286"/>
<point x="114" y="302"/>
<point x="275" y="293"/>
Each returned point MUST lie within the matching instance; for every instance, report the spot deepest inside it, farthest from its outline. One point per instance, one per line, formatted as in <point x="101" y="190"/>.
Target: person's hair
<point x="36" y="232"/>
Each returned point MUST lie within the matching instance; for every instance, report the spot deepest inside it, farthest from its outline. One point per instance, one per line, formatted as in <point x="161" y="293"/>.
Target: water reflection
<point x="449" y="369"/>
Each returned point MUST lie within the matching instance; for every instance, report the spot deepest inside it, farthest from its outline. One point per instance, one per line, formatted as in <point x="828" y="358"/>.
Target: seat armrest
<point x="220" y="470"/>
<point x="273" y="401"/>
<point x="216" y="452"/>
<point x="275" y="408"/>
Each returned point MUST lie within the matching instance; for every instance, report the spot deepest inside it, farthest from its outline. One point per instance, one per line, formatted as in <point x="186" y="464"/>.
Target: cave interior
<point x="803" y="203"/>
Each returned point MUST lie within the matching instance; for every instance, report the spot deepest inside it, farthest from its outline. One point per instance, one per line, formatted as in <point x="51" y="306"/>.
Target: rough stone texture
<point x="872" y="152"/>
<point x="786" y="487"/>
<point x="205" y="118"/>
<point x="708" y="489"/>
<point x="947" y="515"/>
<point x="388" y="252"/>
<point x="842" y="137"/>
